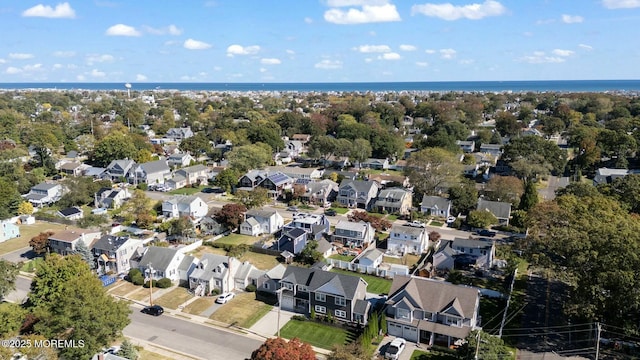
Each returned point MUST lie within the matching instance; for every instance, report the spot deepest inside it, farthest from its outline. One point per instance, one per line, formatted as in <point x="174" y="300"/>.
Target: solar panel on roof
<point x="303" y="181"/>
<point x="278" y="178"/>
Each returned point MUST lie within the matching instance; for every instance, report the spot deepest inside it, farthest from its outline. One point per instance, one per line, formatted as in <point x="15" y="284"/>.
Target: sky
<point x="318" y="40"/>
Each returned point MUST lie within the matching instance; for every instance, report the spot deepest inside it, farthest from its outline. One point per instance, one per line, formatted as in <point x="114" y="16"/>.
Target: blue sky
<point x="318" y="40"/>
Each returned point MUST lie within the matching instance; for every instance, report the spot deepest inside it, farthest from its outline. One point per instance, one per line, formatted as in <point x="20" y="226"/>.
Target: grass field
<point x="243" y="311"/>
<point x="408" y="260"/>
<point x="186" y="191"/>
<point x="144" y="354"/>
<point x="207" y="250"/>
<point x="436" y="223"/>
<point x="342" y="257"/>
<point x="237" y="239"/>
<point x="316" y="334"/>
<point x="260" y="261"/>
<point x="123" y="289"/>
<point x="140" y="295"/>
<point x="173" y="298"/>
<point x="340" y="210"/>
<point x="33" y="265"/>
<point x="199" y="305"/>
<point x="26" y="233"/>
<point x="377" y="285"/>
<point x="424" y="355"/>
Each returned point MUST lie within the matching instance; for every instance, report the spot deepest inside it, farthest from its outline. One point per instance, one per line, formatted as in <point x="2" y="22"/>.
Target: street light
<point x="279" y="308"/>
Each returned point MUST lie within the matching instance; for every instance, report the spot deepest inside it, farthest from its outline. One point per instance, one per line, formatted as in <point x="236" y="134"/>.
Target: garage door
<point x="410" y="333"/>
<point x="394" y="329"/>
<point x="287" y="303"/>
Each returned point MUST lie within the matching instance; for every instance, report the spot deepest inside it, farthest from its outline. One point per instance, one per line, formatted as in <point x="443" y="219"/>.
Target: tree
<point x="227" y="179"/>
<point x="231" y="215"/>
<point x="128" y="351"/>
<point x="10" y="199"/>
<point x="71" y="304"/>
<point x="507" y="124"/>
<point x="627" y="190"/>
<point x="25" y="208"/>
<point x="432" y="168"/>
<point x="84" y="189"/>
<point x="361" y="150"/>
<point x="530" y="196"/>
<point x="504" y="188"/>
<point x="138" y="207"/>
<point x="247" y="157"/>
<point x="11" y="318"/>
<point x="481" y="219"/>
<point x="463" y="196"/>
<point x="85" y="253"/>
<point x="309" y="255"/>
<point x="8" y="273"/>
<point x="254" y="198"/>
<point x="113" y="147"/>
<point x="280" y="349"/>
<point x="40" y="242"/>
<point x="377" y="222"/>
<point x="351" y="351"/>
<point x="534" y="149"/>
<point x="490" y="347"/>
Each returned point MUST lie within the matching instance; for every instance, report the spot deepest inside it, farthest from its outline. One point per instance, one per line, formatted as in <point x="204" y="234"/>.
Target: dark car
<point x="330" y="212"/>
<point x="155" y="310"/>
<point x="485" y="232"/>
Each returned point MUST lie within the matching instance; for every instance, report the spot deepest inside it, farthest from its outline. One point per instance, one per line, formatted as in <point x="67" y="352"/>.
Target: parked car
<point x="485" y="232"/>
<point x="155" y="310"/>
<point x="451" y="219"/>
<point x="330" y="212"/>
<point x="416" y="223"/>
<point x="293" y="208"/>
<point x="395" y="349"/>
<point x="224" y="298"/>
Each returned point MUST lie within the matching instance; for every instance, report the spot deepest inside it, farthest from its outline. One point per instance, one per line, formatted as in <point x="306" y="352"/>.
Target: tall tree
<point x="40" y="242"/>
<point x="138" y="207"/>
<point x="113" y="147"/>
<point x="85" y="254"/>
<point x="128" y="351"/>
<point x="534" y="149"/>
<point x="231" y="215"/>
<point x="10" y="199"/>
<point x="504" y="188"/>
<point x="530" y="196"/>
<point x="281" y="349"/>
<point x="8" y="273"/>
<point x="432" y="168"/>
<point x="254" y="198"/>
<point x="247" y="157"/>
<point x="227" y="179"/>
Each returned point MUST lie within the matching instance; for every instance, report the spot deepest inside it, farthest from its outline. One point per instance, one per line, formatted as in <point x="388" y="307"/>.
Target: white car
<point x="224" y="298"/>
<point x="416" y="223"/>
<point x="395" y="349"/>
<point x="451" y="219"/>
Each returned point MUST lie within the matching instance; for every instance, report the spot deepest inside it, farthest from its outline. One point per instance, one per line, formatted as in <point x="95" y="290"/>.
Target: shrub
<point x="154" y="284"/>
<point x="299" y="318"/>
<point x="215" y="292"/>
<point x="138" y="279"/>
<point x="164" y="283"/>
<point x="132" y="273"/>
<point x="250" y="288"/>
<point x="143" y="186"/>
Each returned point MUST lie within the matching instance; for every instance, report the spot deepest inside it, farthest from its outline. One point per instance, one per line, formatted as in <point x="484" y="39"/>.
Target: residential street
<point x="19" y="255"/>
<point x="23" y="286"/>
<point x="555" y="183"/>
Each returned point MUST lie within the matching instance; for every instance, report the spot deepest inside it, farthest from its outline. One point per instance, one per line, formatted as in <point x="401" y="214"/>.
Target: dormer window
<point x="403" y="314"/>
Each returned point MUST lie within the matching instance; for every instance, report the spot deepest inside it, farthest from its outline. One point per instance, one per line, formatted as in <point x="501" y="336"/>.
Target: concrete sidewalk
<point x="268" y="325"/>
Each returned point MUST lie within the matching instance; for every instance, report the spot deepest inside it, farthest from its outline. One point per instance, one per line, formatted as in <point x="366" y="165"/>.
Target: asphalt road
<point x="190" y="338"/>
<point x="23" y="286"/>
<point x="555" y="183"/>
<point x="19" y="255"/>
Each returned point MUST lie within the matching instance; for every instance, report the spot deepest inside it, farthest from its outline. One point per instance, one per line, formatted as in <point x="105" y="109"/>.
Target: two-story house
<point x="320" y="193"/>
<point x="65" y="242"/>
<point x="466" y="146"/>
<point x="480" y="253"/>
<point x="292" y="240"/>
<point x="160" y="262"/>
<point x="44" y="194"/>
<point x="353" y="234"/>
<point x="8" y="230"/>
<point x="315" y="225"/>
<point x="179" y="134"/>
<point x="251" y="179"/>
<point x="394" y="201"/>
<point x="276" y="184"/>
<point x="111" y="198"/>
<point x="180" y="159"/>
<point x="190" y="206"/>
<point x="431" y="312"/>
<point x="113" y="253"/>
<point x="118" y="170"/>
<point x="261" y="221"/>
<point x="358" y="193"/>
<point x="405" y="239"/>
<point x="196" y="174"/>
<point x="324" y="293"/>
<point x="500" y="209"/>
<point x="212" y="272"/>
<point x="377" y="164"/>
<point x="436" y="206"/>
<point x="152" y="172"/>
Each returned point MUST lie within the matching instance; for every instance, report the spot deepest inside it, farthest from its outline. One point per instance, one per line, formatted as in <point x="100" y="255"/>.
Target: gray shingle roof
<point x="157" y="166"/>
<point x="359" y="185"/>
<point x="435" y="202"/>
<point x="324" y="281"/>
<point x="110" y="242"/>
<point x="158" y="257"/>
<point x="502" y="210"/>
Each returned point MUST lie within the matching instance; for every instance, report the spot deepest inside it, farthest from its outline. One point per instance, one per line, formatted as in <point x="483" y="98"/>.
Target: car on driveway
<point x="224" y="298"/>
<point x="416" y="223"/>
<point x="293" y="208"/>
<point x="330" y="212"/>
<point x="395" y="349"/>
<point x="155" y="310"/>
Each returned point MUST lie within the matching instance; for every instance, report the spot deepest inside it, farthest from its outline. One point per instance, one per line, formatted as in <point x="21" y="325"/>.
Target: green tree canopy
<point x="432" y="168"/>
<point x="247" y="157"/>
<point x="113" y="147"/>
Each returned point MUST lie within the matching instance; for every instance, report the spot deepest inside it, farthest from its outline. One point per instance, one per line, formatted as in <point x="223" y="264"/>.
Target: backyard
<point x="314" y="333"/>
<point x="26" y="233"/>
<point x="260" y="261"/>
<point x="377" y="285"/>
<point x="237" y="239"/>
<point x="243" y="311"/>
<point x="187" y="190"/>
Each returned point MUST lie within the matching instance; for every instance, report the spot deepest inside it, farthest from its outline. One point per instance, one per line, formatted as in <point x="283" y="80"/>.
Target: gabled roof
<point x="193" y="169"/>
<point x="408" y="230"/>
<point x="360" y="226"/>
<point x="278" y="178"/>
<point x="472" y="244"/>
<point x="372" y="254"/>
<point x="261" y="213"/>
<point x="324" y="281"/>
<point x="209" y="263"/>
<point x="45" y="186"/>
<point x="67" y="235"/>
<point x="252" y="222"/>
<point x="392" y="194"/>
<point x="359" y="185"/>
<point x="110" y="242"/>
<point x="158" y="257"/>
<point x="437" y="202"/>
<point x="153" y="167"/>
<point x="502" y="210"/>
<point x="124" y="164"/>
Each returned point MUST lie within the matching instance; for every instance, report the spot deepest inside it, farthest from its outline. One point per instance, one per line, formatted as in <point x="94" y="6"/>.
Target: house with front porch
<point x="500" y="209"/>
<point x="324" y="293"/>
<point x="118" y="170"/>
<point x="394" y="201"/>
<point x="160" y="262"/>
<point x="152" y="172"/>
<point x="113" y="253"/>
<point x="431" y="312"/>
<point x="65" y="242"/>
<point x="180" y="160"/>
<point x="405" y="239"/>
<point x="321" y="193"/>
<point x="191" y="206"/>
<point x="111" y="198"/>
<point x="358" y="193"/>
<point x="354" y="234"/>
<point x="44" y="194"/>
<point x="213" y="272"/>
<point x="261" y="221"/>
<point x="436" y="206"/>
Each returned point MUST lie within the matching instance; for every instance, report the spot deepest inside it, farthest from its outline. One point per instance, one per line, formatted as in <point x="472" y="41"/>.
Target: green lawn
<point x="424" y="355"/>
<point x="32" y="265"/>
<point x="377" y="285"/>
<point x="340" y="210"/>
<point x="174" y="298"/>
<point x="407" y="260"/>
<point x="316" y="334"/>
<point x="436" y="223"/>
<point x="199" y="305"/>
<point x="342" y="257"/>
<point x="26" y="233"/>
<point x="187" y="191"/>
<point x="243" y="311"/>
<point x="237" y="239"/>
<point x="260" y="261"/>
<point x="392" y="217"/>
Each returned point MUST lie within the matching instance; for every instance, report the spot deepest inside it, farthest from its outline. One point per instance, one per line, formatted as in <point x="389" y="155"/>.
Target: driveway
<point x="24" y="254"/>
<point x="554" y="183"/>
<point x="268" y="325"/>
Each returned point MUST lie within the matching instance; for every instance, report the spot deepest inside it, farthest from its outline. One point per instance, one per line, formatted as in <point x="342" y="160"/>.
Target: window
<point x="428" y="315"/>
<point x="302" y="288"/>
<point x="341" y="313"/>
<point x="266" y="285"/>
<point x="287" y="286"/>
<point x="403" y="314"/>
<point x="341" y="301"/>
<point x="321" y="309"/>
<point x="321" y="297"/>
<point x="453" y="321"/>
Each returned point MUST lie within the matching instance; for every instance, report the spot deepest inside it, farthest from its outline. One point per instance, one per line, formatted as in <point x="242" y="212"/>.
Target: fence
<point x="107" y="280"/>
<point x="389" y="272"/>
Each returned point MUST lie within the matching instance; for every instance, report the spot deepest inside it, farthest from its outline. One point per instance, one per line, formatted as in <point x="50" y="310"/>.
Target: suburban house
<point x="431" y="312"/>
<point x="210" y="226"/>
<point x="160" y="262"/>
<point x="500" y="209"/>
<point x="480" y="253"/>
<point x="179" y="134"/>
<point x="298" y="172"/>
<point x="371" y="258"/>
<point x="180" y="159"/>
<point x="276" y="184"/>
<point x="314" y="225"/>
<point x="293" y="147"/>
<point x="389" y="180"/>
<point x="358" y="193"/>
<point x="72" y="168"/>
<point x="72" y="213"/>
<point x="436" y="206"/>
<point x="303" y="138"/>
<point x="180" y="206"/>
<point x="117" y="170"/>
<point x="214" y="271"/>
<point x="405" y="239"/>
<point x="44" y="194"/>
<point x="251" y="179"/>
<point x="152" y="172"/>
<point x="8" y="230"/>
<point x="320" y="192"/>
<point x="269" y="281"/>
<point x="376" y="164"/>
<point x="65" y="242"/>
<point x="196" y="174"/>
<point x="394" y="201"/>
<point x="292" y="240"/>
<point x="466" y="146"/>
<point x="176" y="182"/>
<point x="494" y="150"/>
<point x="113" y="253"/>
<point x="111" y="198"/>
<point x="265" y="221"/>
<point x="606" y="175"/>
<point x="354" y="234"/>
<point x="324" y="293"/>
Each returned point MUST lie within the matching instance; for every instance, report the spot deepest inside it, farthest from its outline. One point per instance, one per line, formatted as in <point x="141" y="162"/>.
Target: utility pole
<point x="504" y="317"/>
<point x="280" y="307"/>
<point x="150" y="285"/>
<point x="598" y="330"/>
<point x="477" y="345"/>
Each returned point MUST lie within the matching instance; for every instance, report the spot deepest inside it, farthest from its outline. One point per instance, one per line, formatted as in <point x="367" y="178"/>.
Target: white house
<point x="160" y="262"/>
<point x="356" y="234"/>
<point x="152" y="172"/>
<point x="44" y="194"/>
<point x="214" y="271"/>
<point x="266" y="221"/>
<point x="436" y="206"/>
<point x="65" y="242"/>
<point x="194" y="174"/>
<point x="371" y="258"/>
<point x="8" y="230"/>
<point x="114" y="252"/>
<point x="181" y="206"/>
<point x="180" y="159"/>
<point x="111" y="198"/>
<point x="405" y="239"/>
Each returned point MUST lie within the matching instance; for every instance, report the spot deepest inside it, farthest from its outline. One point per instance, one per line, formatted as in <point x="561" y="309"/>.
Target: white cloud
<point x="270" y="61"/>
<point x="217" y="68"/>
<point x="540" y="57"/>
<point x="572" y="19"/>
<point x="368" y="60"/>
<point x="171" y="30"/>
<point x="450" y="12"/>
<point x="32" y="67"/>
<point x="405" y="47"/>
<point x="20" y="56"/>
<point x="174" y="30"/>
<point x="390" y="56"/>
<point x="12" y="70"/>
<point x="308" y="20"/>
<point x="97" y="73"/>
<point x="621" y="4"/>
<point x="373" y="48"/>
<point x="290" y="52"/>
<point x="195" y="45"/>
<point x="64" y="54"/>
<point x="447" y="53"/>
<point x="57" y="66"/>
<point x="99" y="58"/>
<point x="561" y="52"/>
<point x="122" y="30"/>
<point x="81" y="78"/>
<point x="343" y="3"/>
<point x="62" y="10"/>
<point x="586" y="47"/>
<point x="466" y="62"/>
<point x="2" y="61"/>
<point x="430" y="51"/>
<point x="328" y="64"/>
<point x="422" y="63"/>
<point x="263" y="70"/>
<point x="140" y="77"/>
<point x="235" y="49"/>
<point x="368" y="14"/>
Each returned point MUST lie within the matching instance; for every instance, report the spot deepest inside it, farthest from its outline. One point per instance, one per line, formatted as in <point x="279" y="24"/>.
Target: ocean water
<point x="444" y="86"/>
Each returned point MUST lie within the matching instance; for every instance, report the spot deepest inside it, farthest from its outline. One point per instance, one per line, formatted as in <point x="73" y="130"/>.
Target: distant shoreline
<point x="632" y="86"/>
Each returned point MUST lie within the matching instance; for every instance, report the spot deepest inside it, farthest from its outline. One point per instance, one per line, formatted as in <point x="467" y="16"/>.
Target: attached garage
<point x="409" y="333"/>
<point x="287" y="303"/>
